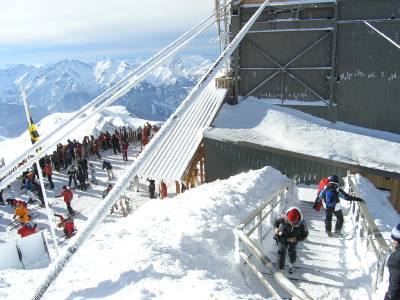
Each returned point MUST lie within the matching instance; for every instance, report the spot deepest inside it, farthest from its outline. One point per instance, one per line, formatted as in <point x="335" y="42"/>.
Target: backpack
<point x="322" y="184"/>
<point x="331" y="198"/>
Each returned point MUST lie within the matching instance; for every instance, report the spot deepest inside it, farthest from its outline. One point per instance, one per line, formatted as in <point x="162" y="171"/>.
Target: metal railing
<point x="244" y="243"/>
<point x="365" y="226"/>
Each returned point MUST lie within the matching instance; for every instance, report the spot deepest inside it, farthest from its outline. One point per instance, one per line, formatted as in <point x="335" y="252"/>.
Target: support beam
<point x="293" y="68"/>
<point x="332" y="81"/>
<point x="383" y="35"/>
<point x="263" y="53"/>
<point x="291" y="30"/>
<point x="261" y="84"/>
<point x="308" y="87"/>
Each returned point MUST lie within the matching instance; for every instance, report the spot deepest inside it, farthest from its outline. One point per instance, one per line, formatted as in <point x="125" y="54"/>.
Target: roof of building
<point x="255" y="121"/>
<point x="177" y="145"/>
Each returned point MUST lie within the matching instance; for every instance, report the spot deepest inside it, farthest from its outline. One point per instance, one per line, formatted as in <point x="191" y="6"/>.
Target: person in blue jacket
<point x="330" y="196"/>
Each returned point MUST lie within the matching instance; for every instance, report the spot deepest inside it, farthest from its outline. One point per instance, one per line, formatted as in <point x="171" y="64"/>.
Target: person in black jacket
<point x="152" y="188"/>
<point x="330" y="197"/>
<point x="289" y="229"/>
<point x="394" y="266"/>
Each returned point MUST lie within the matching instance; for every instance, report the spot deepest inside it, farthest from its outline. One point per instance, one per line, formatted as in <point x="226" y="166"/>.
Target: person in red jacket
<point x="163" y="190"/>
<point x="67" y="224"/>
<point x="48" y="171"/>
<point x="27" y="229"/>
<point x="67" y="194"/>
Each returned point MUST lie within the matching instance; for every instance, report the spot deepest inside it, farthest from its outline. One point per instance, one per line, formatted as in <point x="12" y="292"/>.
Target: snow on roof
<point x="178" y="144"/>
<point x="257" y="121"/>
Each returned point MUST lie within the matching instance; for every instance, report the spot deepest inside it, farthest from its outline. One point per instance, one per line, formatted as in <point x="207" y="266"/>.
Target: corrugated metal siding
<point x="175" y="149"/>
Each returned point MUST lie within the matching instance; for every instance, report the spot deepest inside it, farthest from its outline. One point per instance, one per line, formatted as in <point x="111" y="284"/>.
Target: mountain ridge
<point x="67" y="85"/>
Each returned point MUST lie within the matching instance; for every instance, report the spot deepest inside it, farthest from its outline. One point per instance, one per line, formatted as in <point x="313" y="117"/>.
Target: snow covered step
<point x="311" y="260"/>
<point x="322" y="278"/>
<point x="325" y="240"/>
<point x="325" y="278"/>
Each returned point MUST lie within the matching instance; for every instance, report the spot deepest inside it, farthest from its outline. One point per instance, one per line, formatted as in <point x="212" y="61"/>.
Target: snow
<point x="181" y="247"/>
<point x="292" y="130"/>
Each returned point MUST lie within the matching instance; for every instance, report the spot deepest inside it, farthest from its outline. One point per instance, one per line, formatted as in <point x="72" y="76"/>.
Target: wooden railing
<point x="368" y="231"/>
<point x="246" y="248"/>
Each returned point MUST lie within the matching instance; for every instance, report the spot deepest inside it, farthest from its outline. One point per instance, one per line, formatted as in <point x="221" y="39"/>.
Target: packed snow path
<point x="326" y="267"/>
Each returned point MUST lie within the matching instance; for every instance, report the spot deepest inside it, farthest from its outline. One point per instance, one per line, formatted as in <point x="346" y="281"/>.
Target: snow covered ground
<point x="181" y="247"/>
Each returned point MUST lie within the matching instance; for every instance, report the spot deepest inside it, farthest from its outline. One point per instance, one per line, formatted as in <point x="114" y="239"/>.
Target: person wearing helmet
<point x="329" y="196"/>
<point x="290" y="228"/>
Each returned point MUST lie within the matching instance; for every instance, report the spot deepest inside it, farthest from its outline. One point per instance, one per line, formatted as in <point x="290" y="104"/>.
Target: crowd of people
<point x="73" y="158"/>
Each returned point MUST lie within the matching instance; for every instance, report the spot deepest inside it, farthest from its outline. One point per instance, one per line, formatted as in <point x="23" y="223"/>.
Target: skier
<point x="80" y="175"/>
<point x="289" y="229"/>
<point x="72" y="175"/>
<point x="330" y="197"/>
<point x="22" y="213"/>
<point x="107" y="165"/>
<point x="27" y="229"/>
<point x="393" y="264"/>
<point x="136" y="182"/>
<point x="115" y="144"/>
<point x="92" y="169"/>
<point x="1" y="198"/>
<point x="107" y="190"/>
<point x="163" y="190"/>
<point x="67" y="194"/>
<point x="28" y="187"/>
<point x="67" y="224"/>
<point x="152" y="188"/>
<point x="48" y="171"/>
<point x="125" y="146"/>
<point x="38" y="189"/>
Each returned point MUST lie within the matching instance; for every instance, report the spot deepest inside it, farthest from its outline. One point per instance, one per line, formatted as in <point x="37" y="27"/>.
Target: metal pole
<point x="46" y="203"/>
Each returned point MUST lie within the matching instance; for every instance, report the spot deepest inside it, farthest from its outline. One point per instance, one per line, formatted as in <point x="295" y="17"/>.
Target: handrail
<point x="361" y="216"/>
<point x="256" y="212"/>
<point x="244" y="241"/>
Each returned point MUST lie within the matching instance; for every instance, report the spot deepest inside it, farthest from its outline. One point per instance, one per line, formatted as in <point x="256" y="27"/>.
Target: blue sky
<point x="46" y="31"/>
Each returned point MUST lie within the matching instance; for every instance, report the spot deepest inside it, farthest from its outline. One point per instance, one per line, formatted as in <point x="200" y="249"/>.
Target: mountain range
<point x="69" y="84"/>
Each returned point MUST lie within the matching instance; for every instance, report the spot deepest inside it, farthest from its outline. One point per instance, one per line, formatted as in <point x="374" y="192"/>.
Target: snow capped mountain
<point x="69" y="84"/>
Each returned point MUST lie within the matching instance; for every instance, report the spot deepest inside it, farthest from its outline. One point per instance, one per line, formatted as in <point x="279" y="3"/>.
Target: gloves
<point x="277" y="232"/>
<point x="359" y="199"/>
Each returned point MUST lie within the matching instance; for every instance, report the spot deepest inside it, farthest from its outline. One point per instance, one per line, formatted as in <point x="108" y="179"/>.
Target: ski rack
<point x="278" y="285"/>
<point x="123" y="183"/>
<point x="15" y="168"/>
<point x="365" y="225"/>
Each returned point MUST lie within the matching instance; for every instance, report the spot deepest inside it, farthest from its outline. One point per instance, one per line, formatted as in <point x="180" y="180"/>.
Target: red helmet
<point x="293" y="215"/>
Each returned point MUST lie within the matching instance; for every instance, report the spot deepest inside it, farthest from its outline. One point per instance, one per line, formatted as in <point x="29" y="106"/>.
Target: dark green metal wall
<point x="224" y="159"/>
<point x="362" y="69"/>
